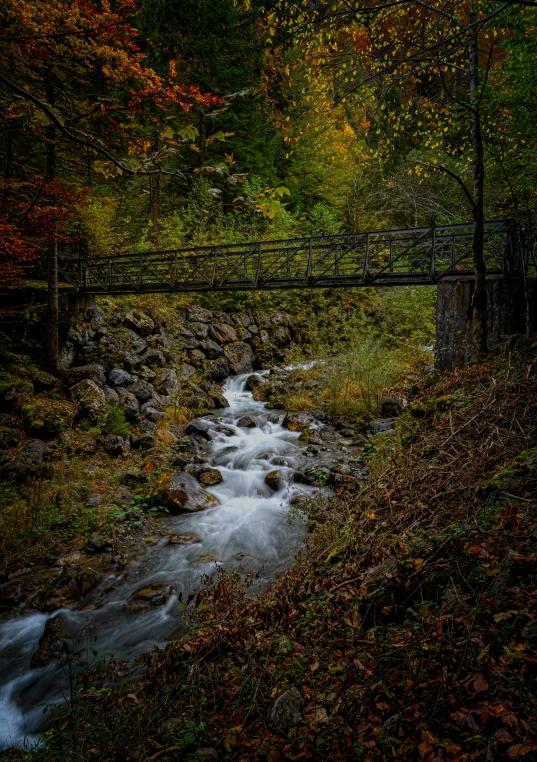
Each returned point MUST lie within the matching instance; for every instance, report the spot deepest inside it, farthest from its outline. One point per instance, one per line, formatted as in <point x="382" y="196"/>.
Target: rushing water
<point x="248" y="529"/>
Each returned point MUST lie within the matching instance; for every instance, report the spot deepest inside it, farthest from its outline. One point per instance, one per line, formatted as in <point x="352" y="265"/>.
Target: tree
<point x="424" y="62"/>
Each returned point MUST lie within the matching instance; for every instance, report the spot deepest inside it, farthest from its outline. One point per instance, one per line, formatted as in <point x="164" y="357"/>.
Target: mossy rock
<point x="13" y="389"/>
<point x="517" y="477"/>
<point x="46" y="418"/>
<point x="42" y="381"/>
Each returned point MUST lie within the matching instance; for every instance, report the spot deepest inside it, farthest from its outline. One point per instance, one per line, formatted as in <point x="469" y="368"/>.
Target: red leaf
<point x="480" y="686"/>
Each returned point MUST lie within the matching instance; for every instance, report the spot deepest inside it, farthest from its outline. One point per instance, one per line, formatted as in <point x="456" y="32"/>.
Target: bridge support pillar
<point x="512" y="308"/>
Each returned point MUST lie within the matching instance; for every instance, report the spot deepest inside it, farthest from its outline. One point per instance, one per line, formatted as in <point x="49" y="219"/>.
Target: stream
<point x="248" y="529"/>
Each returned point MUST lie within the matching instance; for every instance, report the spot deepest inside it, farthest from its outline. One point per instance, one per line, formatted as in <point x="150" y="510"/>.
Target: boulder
<point x="155" y="357"/>
<point x="212" y="350"/>
<point x="182" y="493"/>
<point x="253" y="381"/>
<point x="52" y="643"/>
<point x="93" y="372"/>
<point x="114" y="445"/>
<point x="385" y="573"/>
<point x="139" y="322"/>
<point x="247" y="422"/>
<point x="281" y="336"/>
<point x="209" y="477"/>
<point x="148" y="427"/>
<point x="167" y="382"/>
<point x="187" y="371"/>
<point x="391" y="407"/>
<point x="296" y="422"/>
<point x="112" y="397"/>
<point x="143" y="442"/>
<point x="119" y="377"/>
<point x="240" y="357"/>
<point x="272" y="479"/>
<point x="223" y="333"/>
<point x="130" y="405"/>
<point x="43" y="381"/>
<point x="155" y="594"/>
<point x="200" y="330"/>
<point x="134" y="478"/>
<point x="150" y="414"/>
<point x="199" y="427"/>
<point x="133" y="515"/>
<point x="135" y="342"/>
<point x="31" y="455"/>
<point x="218" y="369"/>
<point x="142" y="390"/>
<point x="287" y="710"/>
<point x="89" y="399"/>
<point x="131" y="360"/>
<point x="199" y="315"/>
<point x="382" y="425"/>
<point x="196" y="357"/>
<point x="46" y="418"/>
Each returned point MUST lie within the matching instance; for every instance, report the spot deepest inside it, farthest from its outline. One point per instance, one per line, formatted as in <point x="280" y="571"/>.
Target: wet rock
<point x="273" y="480"/>
<point x="130" y="405"/>
<point x="93" y="372"/>
<point x="212" y="350"/>
<point x="182" y="493"/>
<point x="253" y="382"/>
<point x="199" y="315"/>
<point x="391" y="407"/>
<point x="134" y="478"/>
<point x="287" y="710"/>
<point x="183" y="539"/>
<point x="209" y="477"/>
<point x="143" y="391"/>
<point x="300" y="501"/>
<point x="119" y="377"/>
<point x="143" y="442"/>
<point x="8" y="439"/>
<point x="219" y="400"/>
<point x="139" y="322"/>
<point x="123" y="496"/>
<point x="240" y="357"/>
<point x="156" y="594"/>
<point x="313" y="477"/>
<point x="52" y="644"/>
<point x="223" y="333"/>
<point x="114" y="445"/>
<point x="199" y="427"/>
<point x="347" y="433"/>
<point x="218" y="369"/>
<point x="383" y="424"/>
<point x="296" y="422"/>
<point x="247" y="422"/>
<point x="200" y="330"/>
<point x="86" y="579"/>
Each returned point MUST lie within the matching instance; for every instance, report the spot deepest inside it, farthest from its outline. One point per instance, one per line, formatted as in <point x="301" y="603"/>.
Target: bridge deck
<point x="419" y="256"/>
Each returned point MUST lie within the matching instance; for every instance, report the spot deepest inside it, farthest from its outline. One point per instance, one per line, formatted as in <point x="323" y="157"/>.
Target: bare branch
<point x="459" y="179"/>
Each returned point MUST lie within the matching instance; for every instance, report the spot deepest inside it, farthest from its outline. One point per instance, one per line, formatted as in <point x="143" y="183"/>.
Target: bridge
<point x="418" y="256"/>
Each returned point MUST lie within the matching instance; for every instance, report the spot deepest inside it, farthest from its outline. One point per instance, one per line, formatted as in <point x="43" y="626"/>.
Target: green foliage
<point x="114" y="422"/>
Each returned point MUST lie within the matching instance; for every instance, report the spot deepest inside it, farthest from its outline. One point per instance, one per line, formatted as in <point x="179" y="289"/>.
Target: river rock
<point x="218" y="369"/>
<point x="182" y="493"/>
<point x="287" y="710"/>
<point x="114" y="445"/>
<point x="240" y="357"/>
<point x="254" y="381"/>
<point x="209" y="477"/>
<point x="155" y="594"/>
<point x="391" y="407"/>
<point x="296" y="422"/>
<point x="89" y="399"/>
<point x="52" y="643"/>
<point x="93" y="372"/>
<point x="199" y="427"/>
<point x="273" y="480"/>
<point x="247" y="422"/>
<point x="139" y="322"/>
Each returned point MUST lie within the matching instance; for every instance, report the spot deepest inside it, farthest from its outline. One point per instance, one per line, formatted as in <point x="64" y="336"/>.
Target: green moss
<point x="45" y="418"/>
<point x="519" y="475"/>
<point x="41" y="379"/>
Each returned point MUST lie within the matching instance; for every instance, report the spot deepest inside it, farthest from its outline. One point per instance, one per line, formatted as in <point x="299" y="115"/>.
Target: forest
<point x="270" y="514"/>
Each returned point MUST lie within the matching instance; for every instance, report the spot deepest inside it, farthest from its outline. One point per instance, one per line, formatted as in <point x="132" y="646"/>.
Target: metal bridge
<point x="419" y="256"/>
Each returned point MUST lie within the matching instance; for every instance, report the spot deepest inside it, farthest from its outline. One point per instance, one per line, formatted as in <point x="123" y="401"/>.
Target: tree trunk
<point x="155" y="205"/>
<point x="479" y="299"/>
<point x="52" y="331"/>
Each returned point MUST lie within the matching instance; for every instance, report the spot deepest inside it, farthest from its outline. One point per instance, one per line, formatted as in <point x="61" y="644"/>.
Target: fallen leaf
<point x="503" y="736"/>
<point x="480" y="686"/>
<point x="314" y="666"/>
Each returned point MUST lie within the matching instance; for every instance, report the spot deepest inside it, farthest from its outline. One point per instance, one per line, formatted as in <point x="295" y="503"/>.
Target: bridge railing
<point x="419" y="255"/>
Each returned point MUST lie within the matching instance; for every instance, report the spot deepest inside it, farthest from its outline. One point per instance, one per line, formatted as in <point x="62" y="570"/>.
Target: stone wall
<point x="512" y="308"/>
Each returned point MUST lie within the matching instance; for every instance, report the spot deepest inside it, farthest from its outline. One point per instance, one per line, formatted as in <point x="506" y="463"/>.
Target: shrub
<point x="114" y="422"/>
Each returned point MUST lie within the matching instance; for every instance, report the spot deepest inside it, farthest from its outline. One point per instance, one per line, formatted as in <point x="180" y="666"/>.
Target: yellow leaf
<point x="230" y="741"/>
<point x="314" y="666"/>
